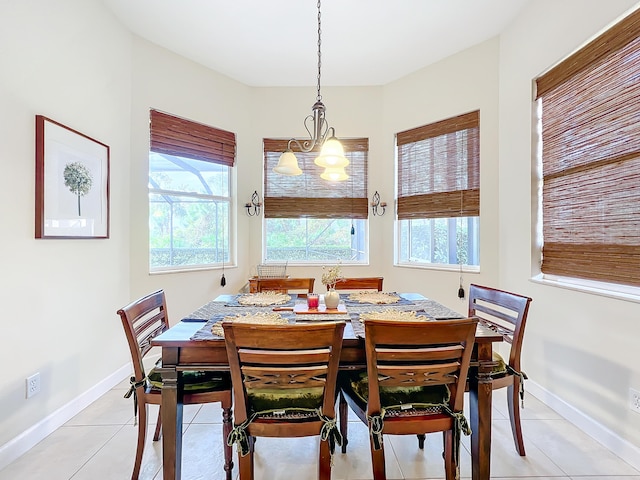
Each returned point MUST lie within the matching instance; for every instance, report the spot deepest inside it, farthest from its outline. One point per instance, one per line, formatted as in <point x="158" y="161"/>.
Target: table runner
<point x="215" y="311"/>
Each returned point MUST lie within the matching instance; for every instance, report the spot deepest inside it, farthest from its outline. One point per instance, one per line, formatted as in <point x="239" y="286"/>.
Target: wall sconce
<point x="376" y="203"/>
<point x="253" y="207"/>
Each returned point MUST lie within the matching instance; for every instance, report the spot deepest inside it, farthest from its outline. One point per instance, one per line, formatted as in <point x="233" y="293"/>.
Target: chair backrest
<point x="360" y="283"/>
<point x="503" y="312"/>
<point x="285" y="285"/>
<point x="418" y="354"/>
<point x="143" y="320"/>
<point x="283" y="357"/>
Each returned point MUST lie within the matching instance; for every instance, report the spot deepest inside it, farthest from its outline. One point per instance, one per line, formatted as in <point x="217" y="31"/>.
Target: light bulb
<point x="334" y="174"/>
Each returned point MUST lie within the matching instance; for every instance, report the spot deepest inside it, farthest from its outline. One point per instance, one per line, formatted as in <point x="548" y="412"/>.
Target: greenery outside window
<point x="590" y="159"/>
<point x="439" y="193"/>
<point x="189" y="194"/>
<point x="309" y="220"/>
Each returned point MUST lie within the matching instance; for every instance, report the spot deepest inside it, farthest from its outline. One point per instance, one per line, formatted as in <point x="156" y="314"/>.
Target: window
<point x="189" y="193"/>
<point x="311" y="220"/>
<point x="590" y="134"/>
<point x="439" y="192"/>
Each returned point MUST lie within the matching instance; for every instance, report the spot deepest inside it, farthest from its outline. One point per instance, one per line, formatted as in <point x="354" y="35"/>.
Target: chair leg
<point x="377" y="461"/>
<point x="421" y="439"/>
<point x="343" y="411"/>
<point x="227" y="426"/>
<point x="158" y="432"/>
<point x="245" y="464"/>
<point x="324" y="462"/>
<point x="513" y="402"/>
<point x="142" y="436"/>
<point x="450" y="466"/>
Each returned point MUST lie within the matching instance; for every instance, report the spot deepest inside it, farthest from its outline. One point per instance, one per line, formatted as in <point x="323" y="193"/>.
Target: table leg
<point x="480" y="406"/>
<point x="171" y="424"/>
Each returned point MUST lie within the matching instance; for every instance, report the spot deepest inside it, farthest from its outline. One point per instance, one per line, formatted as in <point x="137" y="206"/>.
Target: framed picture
<point x="72" y="183"/>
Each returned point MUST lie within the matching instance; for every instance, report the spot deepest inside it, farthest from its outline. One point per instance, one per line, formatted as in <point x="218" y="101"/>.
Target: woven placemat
<point x="389" y="314"/>
<point x="261" y="299"/>
<point x="375" y="298"/>
<point x="213" y="328"/>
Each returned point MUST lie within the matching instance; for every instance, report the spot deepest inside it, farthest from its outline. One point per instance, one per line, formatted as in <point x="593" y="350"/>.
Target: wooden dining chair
<point x="143" y="320"/>
<point x="284" y="385"/>
<point x="359" y="283"/>
<point x="285" y="285"/>
<point x="414" y="384"/>
<point x="505" y="313"/>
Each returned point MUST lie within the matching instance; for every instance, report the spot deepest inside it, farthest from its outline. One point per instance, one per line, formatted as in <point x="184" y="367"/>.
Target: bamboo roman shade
<point x="310" y="196"/>
<point x="176" y="136"/>
<point x="591" y="159"/>
<point x="439" y="169"/>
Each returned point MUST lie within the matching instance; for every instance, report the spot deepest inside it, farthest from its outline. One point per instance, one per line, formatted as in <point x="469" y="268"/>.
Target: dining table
<point x="191" y="345"/>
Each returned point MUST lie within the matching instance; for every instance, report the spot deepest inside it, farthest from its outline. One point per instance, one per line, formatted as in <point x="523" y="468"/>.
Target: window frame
<point x="364" y="240"/>
<point x="580" y="264"/>
<point x="423" y="200"/>
<point x="320" y="199"/>
<point x="178" y="138"/>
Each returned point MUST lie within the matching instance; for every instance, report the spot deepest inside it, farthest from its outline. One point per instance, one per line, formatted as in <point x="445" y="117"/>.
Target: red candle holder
<point x="313" y="300"/>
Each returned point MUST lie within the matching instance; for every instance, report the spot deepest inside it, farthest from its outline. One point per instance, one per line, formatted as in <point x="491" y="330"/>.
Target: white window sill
<point x="620" y="292"/>
<point x="440" y="266"/>
<point x="191" y="268"/>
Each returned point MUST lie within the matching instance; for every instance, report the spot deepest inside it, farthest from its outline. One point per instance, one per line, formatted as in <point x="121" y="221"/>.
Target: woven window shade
<point x="309" y="196"/>
<point x="439" y="169"/>
<point x="176" y="136"/>
<point x="591" y="159"/>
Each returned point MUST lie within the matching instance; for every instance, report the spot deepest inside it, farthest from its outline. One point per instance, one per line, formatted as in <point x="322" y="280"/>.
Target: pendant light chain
<point x="319" y="96"/>
<point x="331" y="157"/>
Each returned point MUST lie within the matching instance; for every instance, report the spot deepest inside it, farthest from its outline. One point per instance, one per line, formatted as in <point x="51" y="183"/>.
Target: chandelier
<point x="331" y="156"/>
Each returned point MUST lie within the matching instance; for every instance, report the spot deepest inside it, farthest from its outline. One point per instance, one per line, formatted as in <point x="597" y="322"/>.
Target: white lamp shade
<point x="332" y="155"/>
<point x="334" y="174"/>
<point x="287" y="164"/>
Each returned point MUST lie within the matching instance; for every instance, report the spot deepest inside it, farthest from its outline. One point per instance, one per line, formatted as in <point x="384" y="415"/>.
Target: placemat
<point x="348" y="301"/>
<point x="392" y="314"/>
<point x="264" y="299"/>
<point x="441" y="314"/>
<point x="214" y="308"/>
<point x="206" y="332"/>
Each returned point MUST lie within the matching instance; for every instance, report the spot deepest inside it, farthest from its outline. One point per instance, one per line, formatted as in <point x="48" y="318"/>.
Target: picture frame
<point x="72" y="183"/>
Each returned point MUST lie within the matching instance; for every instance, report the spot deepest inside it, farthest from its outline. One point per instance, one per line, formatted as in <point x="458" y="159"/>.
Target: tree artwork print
<point x="78" y="179"/>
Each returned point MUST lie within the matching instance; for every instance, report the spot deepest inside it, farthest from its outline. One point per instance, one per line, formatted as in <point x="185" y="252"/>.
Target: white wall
<point x="75" y="64"/>
<point x="67" y="60"/>
<point x="459" y="84"/>
<point x="168" y="82"/>
<point x="580" y="347"/>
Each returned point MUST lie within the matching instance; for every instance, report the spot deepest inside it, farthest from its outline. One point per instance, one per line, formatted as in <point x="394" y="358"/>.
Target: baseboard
<point x="624" y="449"/>
<point x="19" y="445"/>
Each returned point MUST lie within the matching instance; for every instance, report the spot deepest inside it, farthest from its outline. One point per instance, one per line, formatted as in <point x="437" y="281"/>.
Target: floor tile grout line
<point x="103" y="446"/>
<point x="541" y="450"/>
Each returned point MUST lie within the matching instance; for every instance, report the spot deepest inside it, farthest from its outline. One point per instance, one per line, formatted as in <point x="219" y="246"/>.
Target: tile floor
<point x="99" y="444"/>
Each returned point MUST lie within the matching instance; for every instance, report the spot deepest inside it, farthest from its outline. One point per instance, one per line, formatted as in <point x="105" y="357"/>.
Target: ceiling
<point x="265" y="43"/>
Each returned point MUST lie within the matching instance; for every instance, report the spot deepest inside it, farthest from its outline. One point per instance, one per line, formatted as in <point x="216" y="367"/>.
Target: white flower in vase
<point x="330" y="277"/>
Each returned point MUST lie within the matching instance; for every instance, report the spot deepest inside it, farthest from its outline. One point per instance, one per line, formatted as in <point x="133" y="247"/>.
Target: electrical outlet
<point x="634" y="400"/>
<point x="33" y="385"/>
